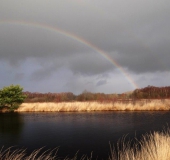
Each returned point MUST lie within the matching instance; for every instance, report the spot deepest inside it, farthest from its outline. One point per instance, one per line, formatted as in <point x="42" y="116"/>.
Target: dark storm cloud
<point x="135" y="33"/>
<point x="90" y="64"/>
<point x="140" y="35"/>
<point x="18" y="42"/>
<point x="54" y="50"/>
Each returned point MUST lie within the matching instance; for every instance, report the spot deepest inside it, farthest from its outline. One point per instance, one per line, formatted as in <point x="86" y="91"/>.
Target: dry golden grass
<point x="95" y="106"/>
<point x="20" y="154"/>
<point x="154" y="146"/>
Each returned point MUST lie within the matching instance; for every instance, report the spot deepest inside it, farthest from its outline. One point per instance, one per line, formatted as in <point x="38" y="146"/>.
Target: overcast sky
<point x="108" y="46"/>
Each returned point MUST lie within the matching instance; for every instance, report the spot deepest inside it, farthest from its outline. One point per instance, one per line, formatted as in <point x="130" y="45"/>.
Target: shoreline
<point x="140" y="105"/>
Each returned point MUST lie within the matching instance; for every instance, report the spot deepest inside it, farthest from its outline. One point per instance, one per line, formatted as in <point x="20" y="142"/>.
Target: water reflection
<point x="84" y="131"/>
<point x="11" y="125"/>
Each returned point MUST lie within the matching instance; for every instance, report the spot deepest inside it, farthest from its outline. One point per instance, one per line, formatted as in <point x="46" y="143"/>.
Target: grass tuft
<point x="153" y="146"/>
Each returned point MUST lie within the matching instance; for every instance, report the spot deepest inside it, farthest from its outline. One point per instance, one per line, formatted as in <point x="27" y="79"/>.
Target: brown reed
<point x="153" y="105"/>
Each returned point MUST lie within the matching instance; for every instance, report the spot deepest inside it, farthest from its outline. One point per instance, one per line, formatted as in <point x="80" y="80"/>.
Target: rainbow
<point x="74" y="37"/>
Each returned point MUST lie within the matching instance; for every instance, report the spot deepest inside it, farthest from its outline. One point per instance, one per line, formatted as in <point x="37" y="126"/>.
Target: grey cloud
<point x="137" y="28"/>
<point x="155" y="79"/>
<point x="138" y="31"/>
<point x="42" y="73"/>
<point x="103" y="75"/>
<point x="19" y="76"/>
<point x="81" y="64"/>
<point x="101" y="82"/>
<point x="150" y="61"/>
<point x="90" y="64"/>
<point x="134" y="33"/>
<point x="23" y="42"/>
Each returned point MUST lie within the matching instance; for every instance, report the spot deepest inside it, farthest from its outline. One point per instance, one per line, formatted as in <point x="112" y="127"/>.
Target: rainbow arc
<point x="76" y="38"/>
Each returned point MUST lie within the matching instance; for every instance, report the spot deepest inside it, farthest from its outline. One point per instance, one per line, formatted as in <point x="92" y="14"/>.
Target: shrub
<point x="11" y="97"/>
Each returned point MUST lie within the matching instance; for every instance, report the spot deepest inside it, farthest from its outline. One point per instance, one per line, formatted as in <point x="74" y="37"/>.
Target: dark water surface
<point x="73" y="131"/>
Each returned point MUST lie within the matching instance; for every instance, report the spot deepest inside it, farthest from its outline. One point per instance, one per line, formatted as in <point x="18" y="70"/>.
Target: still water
<point x="77" y="131"/>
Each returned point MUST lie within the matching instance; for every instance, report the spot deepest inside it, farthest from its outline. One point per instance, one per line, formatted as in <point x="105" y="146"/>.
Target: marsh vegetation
<point x="153" y="146"/>
<point x="145" y="99"/>
<point x="140" y="105"/>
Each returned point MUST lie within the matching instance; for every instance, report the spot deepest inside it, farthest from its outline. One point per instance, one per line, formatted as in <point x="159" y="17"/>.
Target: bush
<point x="11" y="97"/>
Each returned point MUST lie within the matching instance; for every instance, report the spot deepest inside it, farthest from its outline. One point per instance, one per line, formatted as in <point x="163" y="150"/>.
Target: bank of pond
<point x="140" y="105"/>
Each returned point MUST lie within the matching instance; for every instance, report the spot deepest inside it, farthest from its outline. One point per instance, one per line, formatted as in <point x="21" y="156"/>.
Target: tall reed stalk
<point x="154" y="146"/>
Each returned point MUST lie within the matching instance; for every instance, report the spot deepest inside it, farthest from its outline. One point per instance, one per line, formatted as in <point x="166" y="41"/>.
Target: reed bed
<point x="143" y="105"/>
<point x="153" y="146"/>
<point x="20" y="154"/>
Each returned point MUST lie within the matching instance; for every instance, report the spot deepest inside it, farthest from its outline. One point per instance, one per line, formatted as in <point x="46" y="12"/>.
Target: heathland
<point x="153" y="146"/>
<point x="144" y="99"/>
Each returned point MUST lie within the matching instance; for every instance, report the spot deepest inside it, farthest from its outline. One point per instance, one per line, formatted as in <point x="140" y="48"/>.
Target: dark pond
<point x="85" y="131"/>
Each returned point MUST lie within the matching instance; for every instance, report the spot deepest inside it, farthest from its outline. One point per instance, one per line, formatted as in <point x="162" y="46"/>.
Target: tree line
<point x="12" y="96"/>
<point x="68" y="97"/>
<point x="149" y="92"/>
<point x="152" y="92"/>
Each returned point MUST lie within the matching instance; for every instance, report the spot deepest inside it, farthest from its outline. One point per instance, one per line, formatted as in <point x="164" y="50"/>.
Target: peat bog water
<point x="73" y="131"/>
